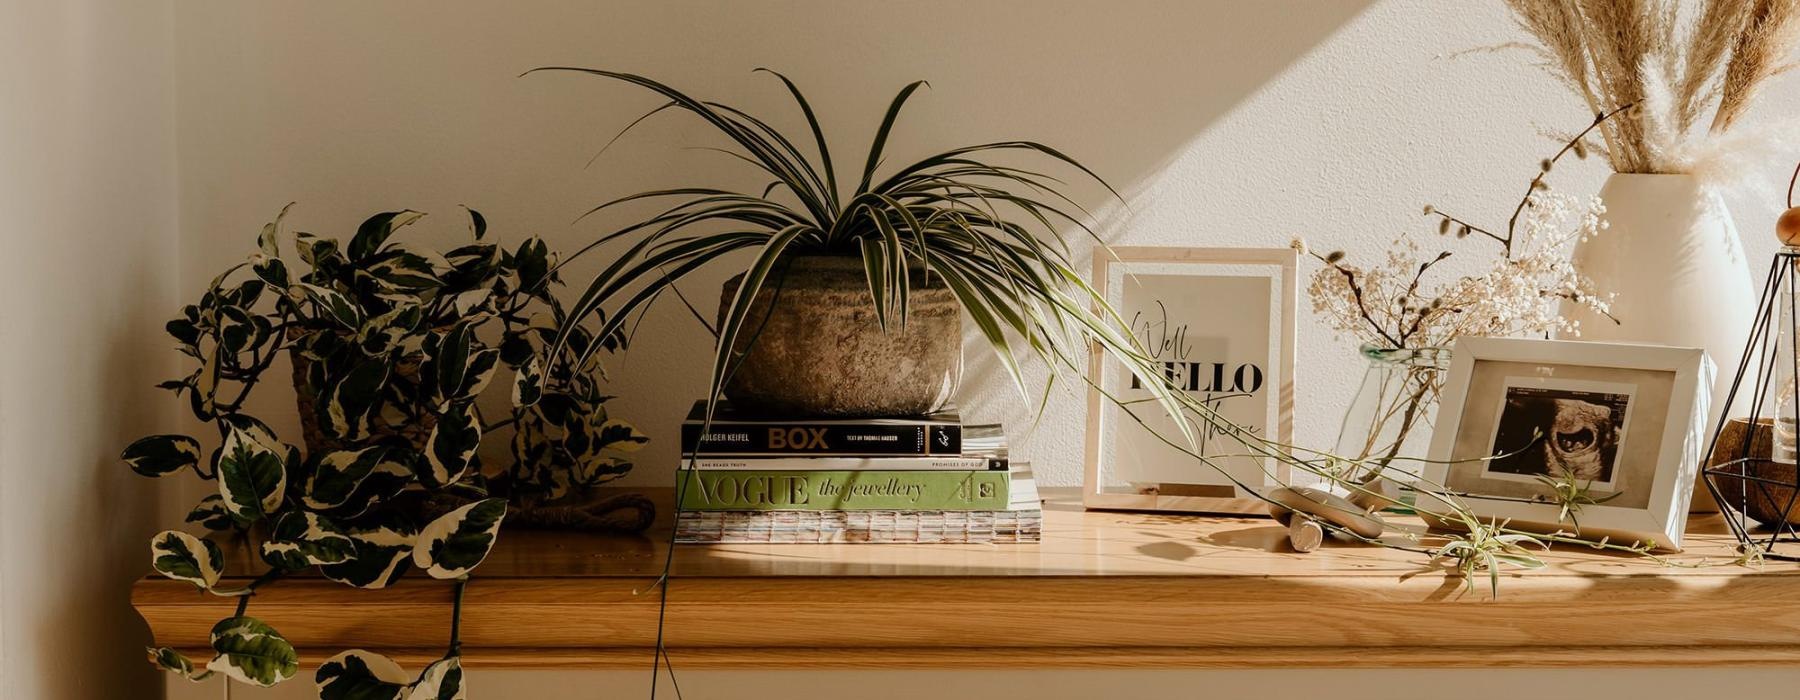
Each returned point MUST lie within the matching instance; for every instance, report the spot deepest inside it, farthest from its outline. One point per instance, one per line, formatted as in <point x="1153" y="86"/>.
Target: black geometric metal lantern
<point x="1751" y="468"/>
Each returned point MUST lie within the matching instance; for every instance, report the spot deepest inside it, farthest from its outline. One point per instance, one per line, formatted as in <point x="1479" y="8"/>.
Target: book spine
<point x="732" y="489"/>
<point x="802" y="438"/>
<point x="851" y="527"/>
<point x="813" y="464"/>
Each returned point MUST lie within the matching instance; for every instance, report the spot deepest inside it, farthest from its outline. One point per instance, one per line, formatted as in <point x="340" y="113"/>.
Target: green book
<point x="739" y="489"/>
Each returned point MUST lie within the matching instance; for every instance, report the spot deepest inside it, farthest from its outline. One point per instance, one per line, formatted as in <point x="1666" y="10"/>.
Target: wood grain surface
<point x="1102" y="590"/>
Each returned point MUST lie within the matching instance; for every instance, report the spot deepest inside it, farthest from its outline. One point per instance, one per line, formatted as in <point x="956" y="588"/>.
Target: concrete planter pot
<point x="811" y="346"/>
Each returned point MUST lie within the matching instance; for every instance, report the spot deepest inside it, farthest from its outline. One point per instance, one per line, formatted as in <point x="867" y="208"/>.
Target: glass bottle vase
<point x="1385" y="431"/>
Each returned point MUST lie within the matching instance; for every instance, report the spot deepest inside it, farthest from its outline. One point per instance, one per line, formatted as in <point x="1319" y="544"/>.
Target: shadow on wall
<point x="330" y="105"/>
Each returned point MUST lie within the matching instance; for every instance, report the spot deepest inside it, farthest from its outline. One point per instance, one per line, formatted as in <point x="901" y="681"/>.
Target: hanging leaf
<point x="450" y="360"/>
<point x="300" y="539"/>
<point x="451" y="449"/>
<point x="161" y="455"/>
<point x="344" y="407"/>
<point x="385" y="332"/>
<point x="376" y="229"/>
<point x="483" y="364"/>
<point x="314" y="251"/>
<point x="458" y="541"/>
<point x="477" y="223"/>
<point x="533" y="263"/>
<point x="442" y="680"/>
<point x="621" y="436"/>
<point x="361" y="675"/>
<point x="470" y="265"/>
<point x="336" y="305"/>
<point x="184" y="557"/>
<point x="355" y="481"/>
<point x="211" y="514"/>
<point x="382" y="554"/>
<point x="528" y="384"/>
<point x="174" y="662"/>
<point x="408" y="270"/>
<point x="250" y="651"/>
<point x="252" y="476"/>
<point x="273" y="271"/>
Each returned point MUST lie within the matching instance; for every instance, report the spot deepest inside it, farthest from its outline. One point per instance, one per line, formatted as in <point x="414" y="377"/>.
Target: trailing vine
<point x="392" y="345"/>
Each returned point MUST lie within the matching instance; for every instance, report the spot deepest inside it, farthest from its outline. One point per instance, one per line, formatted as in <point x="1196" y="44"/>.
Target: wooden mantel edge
<point x="912" y="658"/>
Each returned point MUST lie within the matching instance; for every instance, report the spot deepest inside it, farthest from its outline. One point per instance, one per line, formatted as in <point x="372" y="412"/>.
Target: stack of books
<point x="928" y="479"/>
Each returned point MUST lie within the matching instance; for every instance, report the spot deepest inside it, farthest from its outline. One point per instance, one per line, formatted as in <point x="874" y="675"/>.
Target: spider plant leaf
<point x="881" y="135"/>
<point x="973" y="302"/>
<point x="752" y="283"/>
<point x="759" y="147"/>
<point x="875" y="268"/>
<point x="812" y="121"/>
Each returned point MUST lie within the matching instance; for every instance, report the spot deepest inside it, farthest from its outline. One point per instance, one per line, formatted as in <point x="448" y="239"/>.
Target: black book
<point x="736" y="434"/>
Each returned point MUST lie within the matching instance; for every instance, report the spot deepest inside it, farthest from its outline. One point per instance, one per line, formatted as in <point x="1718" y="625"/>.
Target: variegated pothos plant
<point x="392" y="346"/>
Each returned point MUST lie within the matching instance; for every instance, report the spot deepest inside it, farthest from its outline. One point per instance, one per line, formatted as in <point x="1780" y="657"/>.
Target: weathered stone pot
<point x="811" y="346"/>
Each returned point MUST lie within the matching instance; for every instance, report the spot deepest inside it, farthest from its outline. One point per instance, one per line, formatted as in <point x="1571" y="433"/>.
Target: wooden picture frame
<point x="1247" y="298"/>
<point x="1519" y="397"/>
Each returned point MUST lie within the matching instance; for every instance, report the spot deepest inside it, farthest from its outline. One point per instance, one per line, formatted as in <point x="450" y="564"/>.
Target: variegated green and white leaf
<point x="382" y="554"/>
<point x="336" y="305"/>
<point x="211" y="514"/>
<point x="313" y="249"/>
<point x="344" y="407"/>
<point x="528" y="383"/>
<point x="442" y="680"/>
<point x="299" y="539"/>
<point x="457" y="542"/>
<point x="483" y="364"/>
<point x="184" y="557"/>
<point x="354" y="481"/>
<point x="174" y="662"/>
<point x="376" y="229"/>
<point x="409" y="271"/>
<point x="467" y="301"/>
<point x="161" y="455"/>
<point x="451" y="449"/>
<point x="361" y="675"/>
<point x="250" y="651"/>
<point x="252" y="476"/>
<point x="620" y="436"/>
<point x="385" y="332"/>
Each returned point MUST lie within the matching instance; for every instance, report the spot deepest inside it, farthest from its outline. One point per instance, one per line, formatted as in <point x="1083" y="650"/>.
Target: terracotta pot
<point x="1764" y="501"/>
<point x="811" y="346"/>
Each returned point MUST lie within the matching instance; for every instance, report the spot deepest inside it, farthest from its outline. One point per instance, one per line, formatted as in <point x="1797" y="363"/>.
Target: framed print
<point x="1220" y="321"/>
<point x="1626" y="421"/>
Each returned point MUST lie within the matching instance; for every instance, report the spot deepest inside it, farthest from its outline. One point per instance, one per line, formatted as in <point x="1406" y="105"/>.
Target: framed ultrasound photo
<point x="1219" y="322"/>
<point x="1624" y="422"/>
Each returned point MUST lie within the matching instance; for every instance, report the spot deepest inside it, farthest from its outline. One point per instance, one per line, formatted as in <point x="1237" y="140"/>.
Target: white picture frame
<point x="1628" y="419"/>
<point x="1229" y="311"/>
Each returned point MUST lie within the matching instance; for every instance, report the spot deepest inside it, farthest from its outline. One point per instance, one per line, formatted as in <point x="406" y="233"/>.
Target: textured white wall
<point x="87" y="218"/>
<point x="1224" y="122"/>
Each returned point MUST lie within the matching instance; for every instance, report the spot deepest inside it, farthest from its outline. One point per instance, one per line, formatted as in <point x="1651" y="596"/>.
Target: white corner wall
<point x="146" y="141"/>
<point x="88" y="272"/>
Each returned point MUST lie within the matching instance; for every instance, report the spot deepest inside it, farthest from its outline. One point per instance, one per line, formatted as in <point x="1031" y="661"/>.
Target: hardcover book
<point x="853" y="527"/>
<point x="734" y="489"/>
<point x="735" y="434"/>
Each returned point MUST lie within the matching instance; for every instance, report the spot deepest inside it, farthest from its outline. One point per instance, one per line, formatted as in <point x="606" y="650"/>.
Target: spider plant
<point x="990" y="232"/>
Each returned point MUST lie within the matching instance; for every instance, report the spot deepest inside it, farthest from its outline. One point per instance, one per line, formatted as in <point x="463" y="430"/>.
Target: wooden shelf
<point x="1103" y="589"/>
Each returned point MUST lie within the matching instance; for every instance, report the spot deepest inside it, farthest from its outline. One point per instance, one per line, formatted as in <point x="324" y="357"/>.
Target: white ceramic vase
<point x="1672" y="259"/>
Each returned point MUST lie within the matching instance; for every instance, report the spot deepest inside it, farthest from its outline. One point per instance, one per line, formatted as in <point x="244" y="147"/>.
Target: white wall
<point x="1225" y="122"/>
<point x="87" y="222"/>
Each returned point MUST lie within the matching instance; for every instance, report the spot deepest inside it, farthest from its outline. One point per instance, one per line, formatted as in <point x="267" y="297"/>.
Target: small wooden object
<point x="1291" y="505"/>
<point x="1305" y="534"/>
